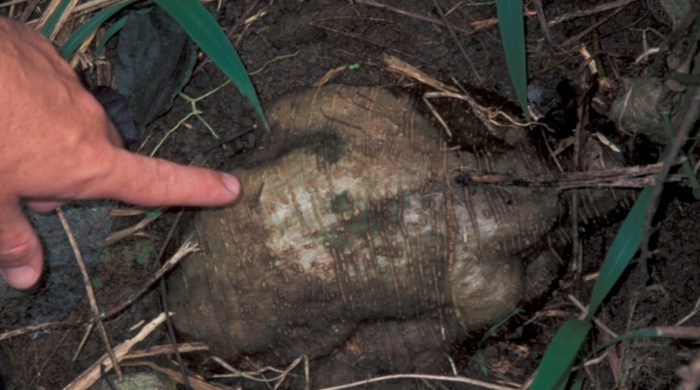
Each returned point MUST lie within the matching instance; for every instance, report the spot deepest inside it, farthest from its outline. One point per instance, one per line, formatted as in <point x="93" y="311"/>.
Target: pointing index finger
<point x="150" y="181"/>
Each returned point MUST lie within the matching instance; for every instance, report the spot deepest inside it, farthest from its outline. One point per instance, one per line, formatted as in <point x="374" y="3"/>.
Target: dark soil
<point x="323" y="35"/>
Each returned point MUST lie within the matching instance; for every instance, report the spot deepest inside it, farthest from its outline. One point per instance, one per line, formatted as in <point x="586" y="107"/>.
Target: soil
<point x="294" y="44"/>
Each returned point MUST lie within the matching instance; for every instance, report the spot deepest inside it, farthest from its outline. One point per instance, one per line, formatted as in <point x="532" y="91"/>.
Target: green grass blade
<point x="113" y="29"/>
<point x="207" y="33"/>
<point x="670" y="332"/>
<point x="479" y="352"/>
<point x="687" y="169"/>
<point x="578" y="384"/>
<point x="621" y="251"/>
<point x="510" y="21"/>
<point x="83" y="32"/>
<point x="557" y="361"/>
<point x="50" y="24"/>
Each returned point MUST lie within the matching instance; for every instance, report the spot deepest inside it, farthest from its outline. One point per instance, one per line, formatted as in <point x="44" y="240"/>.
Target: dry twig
<point x="186" y="248"/>
<point x="457" y="41"/>
<point x="627" y="177"/>
<point x="399" y="11"/>
<point x="92" y="374"/>
<point x="441" y="378"/>
<point x="88" y="289"/>
<point x="591" y="11"/>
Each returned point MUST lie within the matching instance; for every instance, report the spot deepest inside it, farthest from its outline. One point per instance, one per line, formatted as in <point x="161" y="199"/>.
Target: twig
<point x="94" y="5"/>
<point x="83" y="341"/>
<point x="429" y="19"/>
<point x="117" y="236"/>
<point x="591" y="28"/>
<point x="584" y="312"/>
<point x="92" y="374"/>
<point x="458" y="379"/>
<point x="35" y="381"/>
<point x="257" y="375"/>
<point x="166" y="350"/>
<point x="454" y="36"/>
<point x="164" y="303"/>
<point x="629" y="177"/>
<point x="695" y="311"/>
<point x="187" y="248"/>
<point x="11" y="3"/>
<point x="482" y="24"/>
<point x="88" y="289"/>
<point x="543" y="21"/>
<point x="396" y="65"/>
<point x="62" y="18"/>
<point x="36" y="328"/>
<point x="590" y="11"/>
<point x="28" y="11"/>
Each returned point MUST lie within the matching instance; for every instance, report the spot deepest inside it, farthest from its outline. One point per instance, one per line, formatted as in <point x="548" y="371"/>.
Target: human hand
<point x="58" y="145"/>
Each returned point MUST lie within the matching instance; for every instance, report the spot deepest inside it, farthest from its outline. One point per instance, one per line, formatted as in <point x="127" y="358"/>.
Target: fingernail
<point x="231" y="183"/>
<point x="20" y="277"/>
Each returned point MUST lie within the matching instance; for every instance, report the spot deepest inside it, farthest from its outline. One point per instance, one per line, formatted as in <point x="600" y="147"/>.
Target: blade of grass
<point x="480" y="352"/>
<point x="83" y="32"/>
<point x="48" y="29"/>
<point x="557" y="361"/>
<point x="671" y="332"/>
<point x="207" y="33"/>
<point x="621" y="252"/>
<point x="512" y="26"/>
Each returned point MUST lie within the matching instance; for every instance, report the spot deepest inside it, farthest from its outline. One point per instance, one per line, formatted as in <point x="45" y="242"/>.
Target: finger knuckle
<point x="18" y="250"/>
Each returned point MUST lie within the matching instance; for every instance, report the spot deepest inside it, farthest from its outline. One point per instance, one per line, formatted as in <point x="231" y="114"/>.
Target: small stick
<point x="62" y="18"/>
<point x="187" y="248"/>
<point x="591" y="28"/>
<point x="92" y="374"/>
<point x="631" y="177"/>
<point x="443" y="378"/>
<point x="36" y="328"/>
<point x="590" y="11"/>
<point x="166" y="350"/>
<point x="543" y="21"/>
<point x="399" y="11"/>
<point x="88" y="289"/>
<point x="454" y="36"/>
<point x="28" y="11"/>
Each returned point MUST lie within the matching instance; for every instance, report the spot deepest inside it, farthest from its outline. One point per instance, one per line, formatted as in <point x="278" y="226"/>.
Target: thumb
<point x="20" y="252"/>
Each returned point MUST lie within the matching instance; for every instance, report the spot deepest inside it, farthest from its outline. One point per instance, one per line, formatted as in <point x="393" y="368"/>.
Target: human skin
<point x="57" y="145"/>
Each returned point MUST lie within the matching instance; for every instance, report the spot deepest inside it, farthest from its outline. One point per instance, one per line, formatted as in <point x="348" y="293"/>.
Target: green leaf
<point x="621" y="251"/>
<point x="83" y="32"/>
<point x="50" y="24"/>
<point x="113" y="29"/>
<point x="207" y="33"/>
<point x="155" y="59"/>
<point x="511" y="24"/>
<point x="557" y="361"/>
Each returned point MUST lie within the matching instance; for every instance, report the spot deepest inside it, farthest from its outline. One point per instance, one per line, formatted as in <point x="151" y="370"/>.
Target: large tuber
<point x="351" y="235"/>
